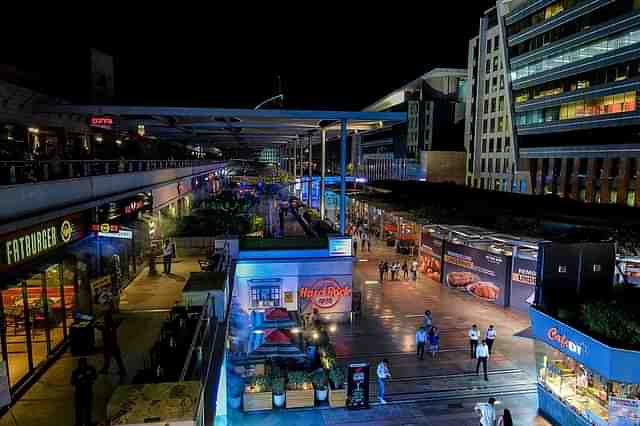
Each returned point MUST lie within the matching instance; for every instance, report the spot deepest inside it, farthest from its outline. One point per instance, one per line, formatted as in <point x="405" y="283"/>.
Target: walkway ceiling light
<point x="34" y="130"/>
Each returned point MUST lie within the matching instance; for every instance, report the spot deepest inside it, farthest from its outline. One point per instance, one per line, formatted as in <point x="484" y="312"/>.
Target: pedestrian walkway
<point x="144" y="306"/>
<point x="424" y="392"/>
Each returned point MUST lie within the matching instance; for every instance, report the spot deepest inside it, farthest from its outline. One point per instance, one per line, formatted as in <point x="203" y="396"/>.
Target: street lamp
<point x="271" y="99"/>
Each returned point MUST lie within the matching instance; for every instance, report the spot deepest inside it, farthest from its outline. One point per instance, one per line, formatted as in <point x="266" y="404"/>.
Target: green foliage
<point x="337" y="377"/>
<point x="319" y="379"/>
<point x="616" y="323"/>
<point x="277" y="386"/>
<point x="297" y="378"/>
<point x="262" y="381"/>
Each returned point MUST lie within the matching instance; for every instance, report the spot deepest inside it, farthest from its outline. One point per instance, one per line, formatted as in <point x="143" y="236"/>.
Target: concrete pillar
<point x="589" y="180"/>
<point x="323" y="168"/>
<point x="540" y="177"/>
<point x="294" y="164"/>
<point x="637" y="160"/>
<point x="381" y="236"/>
<point x="604" y="182"/>
<point x="343" y="176"/>
<point x="574" y="181"/>
<point x="310" y="183"/>
<point x="622" y="180"/>
<point x="562" y="179"/>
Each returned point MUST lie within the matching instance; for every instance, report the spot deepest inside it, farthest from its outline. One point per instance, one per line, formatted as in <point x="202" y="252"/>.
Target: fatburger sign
<point x="327" y="295"/>
<point x="27" y="244"/>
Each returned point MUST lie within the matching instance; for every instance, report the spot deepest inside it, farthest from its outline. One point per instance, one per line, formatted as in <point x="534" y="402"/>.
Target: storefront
<point x="582" y="381"/>
<point x="45" y="281"/>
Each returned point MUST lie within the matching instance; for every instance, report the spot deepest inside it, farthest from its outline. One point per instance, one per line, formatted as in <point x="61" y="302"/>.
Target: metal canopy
<point x="227" y="127"/>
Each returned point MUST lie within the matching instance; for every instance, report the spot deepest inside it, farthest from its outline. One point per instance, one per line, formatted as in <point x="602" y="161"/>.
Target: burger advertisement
<point x="479" y="273"/>
<point x="430" y="257"/>
<point x="327" y="295"/>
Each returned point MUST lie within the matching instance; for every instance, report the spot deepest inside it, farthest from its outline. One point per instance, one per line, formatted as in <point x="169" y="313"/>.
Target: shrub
<point x="319" y="379"/>
<point x="614" y="322"/>
<point x="337" y="377"/>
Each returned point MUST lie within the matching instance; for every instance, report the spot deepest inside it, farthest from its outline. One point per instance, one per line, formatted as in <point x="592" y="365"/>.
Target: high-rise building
<point x="488" y="131"/>
<point x="572" y="73"/>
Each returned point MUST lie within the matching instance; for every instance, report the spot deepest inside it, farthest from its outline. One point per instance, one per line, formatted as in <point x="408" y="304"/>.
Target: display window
<point x="590" y="395"/>
<point x="265" y="297"/>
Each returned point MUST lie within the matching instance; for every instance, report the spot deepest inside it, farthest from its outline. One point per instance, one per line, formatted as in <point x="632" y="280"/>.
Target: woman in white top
<point x="490" y="336"/>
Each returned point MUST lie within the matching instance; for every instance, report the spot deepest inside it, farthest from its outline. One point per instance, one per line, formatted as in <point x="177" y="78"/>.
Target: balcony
<point x="36" y="187"/>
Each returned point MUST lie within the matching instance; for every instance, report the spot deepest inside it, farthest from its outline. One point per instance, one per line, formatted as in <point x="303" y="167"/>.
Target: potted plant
<point x="337" y="388"/>
<point x="277" y="387"/>
<point x="319" y="380"/>
<point x="299" y="390"/>
<point x="257" y="394"/>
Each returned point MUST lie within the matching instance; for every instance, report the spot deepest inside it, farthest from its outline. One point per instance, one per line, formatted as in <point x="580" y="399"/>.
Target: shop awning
<point x="274" y="343"/>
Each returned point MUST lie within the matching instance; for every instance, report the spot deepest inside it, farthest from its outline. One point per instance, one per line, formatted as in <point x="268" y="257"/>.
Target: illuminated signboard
<point x="105" y="228"/>
<point x="327" y="295"/>
<point x="340" y="247"/>
<point x="563" y="341"/>
<point x="101" y="122"/>
<point x="122" y="234"/>
<point x="27" y="244"/>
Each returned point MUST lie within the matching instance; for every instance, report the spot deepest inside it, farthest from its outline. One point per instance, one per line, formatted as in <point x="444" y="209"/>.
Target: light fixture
<point x="258" y="332"/>
<point x="333" y="328"/>
<point x="372" y="282"/>
<point x="98" y="138"/>
<point x="118" y="142"/>
<point x="315" y="335"/>
<point x="295" y="330"/>
<point x="141" y="129"/>
<point x="34" y="130"/>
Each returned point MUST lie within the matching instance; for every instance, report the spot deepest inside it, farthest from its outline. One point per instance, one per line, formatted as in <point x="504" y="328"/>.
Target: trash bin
<point x="83" y="340"/>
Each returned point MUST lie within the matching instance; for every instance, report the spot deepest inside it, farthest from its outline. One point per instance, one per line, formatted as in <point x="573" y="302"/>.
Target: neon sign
<point x="101" y="122"/>
<point x="563" y="341"/>
<point x="324" y="293"/>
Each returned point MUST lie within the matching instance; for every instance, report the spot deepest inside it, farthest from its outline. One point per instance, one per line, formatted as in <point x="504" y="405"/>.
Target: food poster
<point x="329" y="295"/>
<point x="482" y="274"/>
<point x="624" y="412"/>
<point x="523" y="283"/>
<point x="430" y="257"/>
<point x="631" y="272"/>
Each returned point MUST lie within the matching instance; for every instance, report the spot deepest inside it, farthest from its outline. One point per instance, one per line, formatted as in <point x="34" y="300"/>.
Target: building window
<point x="496" y="42"/>
<point x="490" y="145"/>
<point x="497" y="165"/>
<point x="486" y="86"/>
<point x="495" y="63"/>
<point x="493" y="105"/>
<point x="486" y="106"/>
<point x="484" y="145"/>
<point x="483" y="166"/>
<point x="487" y="68"/>
<point x="500" y="124"/>
<point x="507" y="144"/>
<point x="494" y="82"/>
<point x="502" y="82"/>
<point x="490" y="165"/>
<point x="488" y="46"/>
<point x="492" y="128"/>
<point x="505" y="166"/>
<point x="484" y="126"/>
<point x="265" y="297"/>
<point x="499" y="145"/>
<point x="501" y="104"/>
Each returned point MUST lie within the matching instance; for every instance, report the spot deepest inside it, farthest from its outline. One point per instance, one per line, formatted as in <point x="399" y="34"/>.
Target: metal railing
<point x="20" y="172"/>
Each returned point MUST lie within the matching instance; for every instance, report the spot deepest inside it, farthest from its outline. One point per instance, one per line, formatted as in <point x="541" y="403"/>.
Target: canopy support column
<point x="310" y="172"/>
<point x="343" y="176"/>
<point x="323" y="169"/>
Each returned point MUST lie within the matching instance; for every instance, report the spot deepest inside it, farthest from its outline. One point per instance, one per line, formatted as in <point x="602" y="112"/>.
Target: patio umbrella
<point x="274" y="343"/>
<point x="274" y="318"/>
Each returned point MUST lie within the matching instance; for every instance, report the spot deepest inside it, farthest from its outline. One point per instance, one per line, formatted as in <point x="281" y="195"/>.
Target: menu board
<point x="430" y="258"/>
<point x="523" y="283"/>
<point x="358" y="386"/>
<point x="624" y="412"/>
<point x="478" y="272"/>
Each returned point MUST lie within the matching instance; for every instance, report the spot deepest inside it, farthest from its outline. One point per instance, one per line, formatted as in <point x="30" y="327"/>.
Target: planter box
<point x="257" y="401"/>
<point x="338" y="398"/>
<point x="300" y="398"/>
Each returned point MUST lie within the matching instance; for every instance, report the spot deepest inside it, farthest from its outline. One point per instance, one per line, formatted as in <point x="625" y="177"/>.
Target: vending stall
<point x="581" y="380"/>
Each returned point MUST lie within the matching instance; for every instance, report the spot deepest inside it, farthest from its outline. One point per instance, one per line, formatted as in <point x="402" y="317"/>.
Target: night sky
<point x="341" y="71"/>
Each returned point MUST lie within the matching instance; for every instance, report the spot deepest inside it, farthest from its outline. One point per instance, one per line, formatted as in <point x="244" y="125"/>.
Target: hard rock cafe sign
<point x="324" y="293"/>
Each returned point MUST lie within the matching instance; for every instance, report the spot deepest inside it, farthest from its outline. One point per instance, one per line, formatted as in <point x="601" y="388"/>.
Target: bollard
<point x="12" y="174"/>
<point x="45" y="171"/>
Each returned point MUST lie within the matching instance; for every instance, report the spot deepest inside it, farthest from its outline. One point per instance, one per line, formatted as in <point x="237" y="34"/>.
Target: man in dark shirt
<point x="82" y="379"/>
<point x="110" y="341"/>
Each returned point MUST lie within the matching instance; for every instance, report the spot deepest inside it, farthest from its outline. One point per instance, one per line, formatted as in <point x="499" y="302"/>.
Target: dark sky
<point x="329" y="69"/>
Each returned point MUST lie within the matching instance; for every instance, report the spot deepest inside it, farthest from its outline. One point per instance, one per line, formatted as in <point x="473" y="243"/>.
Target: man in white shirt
<point x="482" y="353"/>
<point x="474" y="335"/>
<point x="490" y="336"/>
<point x="421" y="340"/>
<point x="167" y="253"/>
<point x="487" y="412"/>
<point x="383" y="374"/>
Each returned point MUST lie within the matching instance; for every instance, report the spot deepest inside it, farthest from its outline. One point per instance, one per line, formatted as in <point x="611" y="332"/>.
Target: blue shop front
<point x="582" y="381"/>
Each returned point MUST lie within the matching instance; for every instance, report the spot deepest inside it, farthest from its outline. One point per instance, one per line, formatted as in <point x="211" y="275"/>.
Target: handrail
<point x="204" y="316"/>
<point x="33" y="171"/>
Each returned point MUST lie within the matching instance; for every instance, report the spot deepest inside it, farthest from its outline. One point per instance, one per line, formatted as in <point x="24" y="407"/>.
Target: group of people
<point x="360" y="235"/>
<point x="427" y="334"/>
<point x="391" y="271"/>
<point x="488" y="415"/>
<point x="481" y="348"/>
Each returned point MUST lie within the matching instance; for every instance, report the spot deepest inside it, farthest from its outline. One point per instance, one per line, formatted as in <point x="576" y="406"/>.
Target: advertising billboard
<point x="328" y="295"/>
<point x="523" y="283"/>
<point x="358" y="386"/>
<point x="478" y="272"/>
<point x="631" y="271"/>
<point x="430" y="257"/>
<point x="624" y="412"/>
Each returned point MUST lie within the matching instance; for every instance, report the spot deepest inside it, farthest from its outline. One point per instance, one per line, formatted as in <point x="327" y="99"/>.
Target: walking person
<point x="381" y="271"/>
<point x="490" y="337"/>
<point x="421" y="341"/>
<point x="414" y="271"/>
<point x="434" y="341"/>
<point x="427" y="320"/>
<point x="474" y="335"/>
<point x="82" y="379"/>
<point x="365" y="241"/>
<point x="355" y="245"/>
<point x="405" y="270"/>
<point x="167" y="255"/>
<point x="386" y="269"/>
<point x="383" y="374"/>
<point x="110" y="343"/>
<point x="487" y="412"/>
<point x="482" y="353"/>
<point x="505" y="419"/>
<point x="393" y="271"/>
